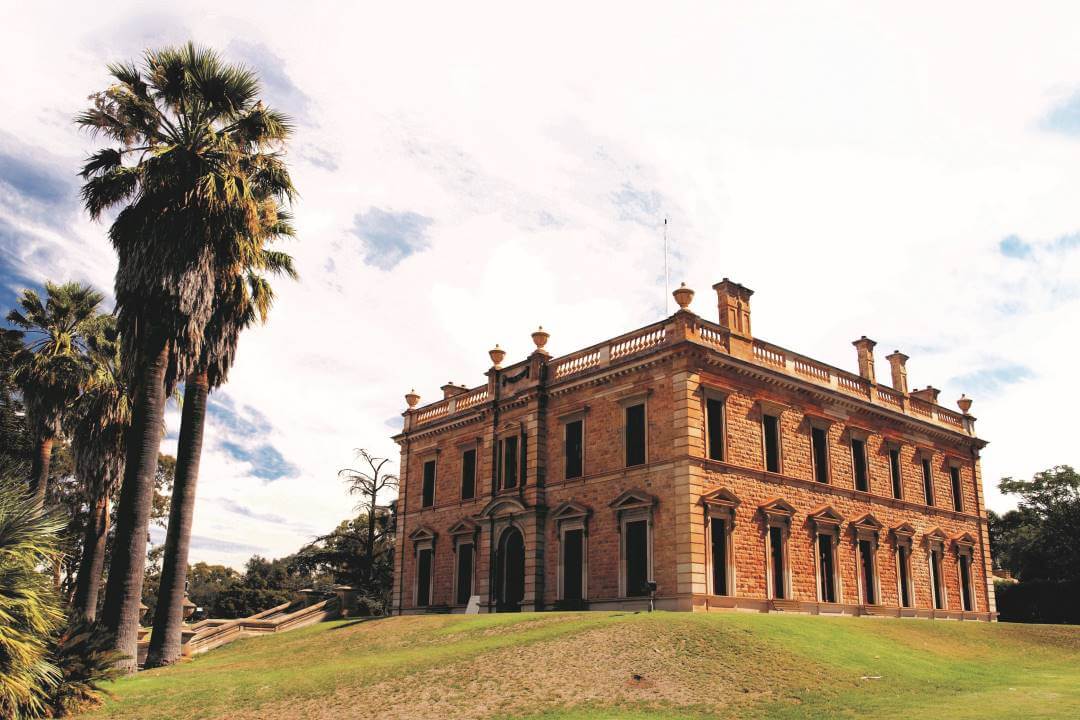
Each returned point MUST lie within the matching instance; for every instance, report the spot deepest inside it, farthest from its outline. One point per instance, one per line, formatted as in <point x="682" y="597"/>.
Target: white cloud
<point x="858" y="167"/>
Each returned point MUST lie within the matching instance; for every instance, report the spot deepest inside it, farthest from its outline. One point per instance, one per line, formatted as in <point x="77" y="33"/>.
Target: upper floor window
<point x="428" y="499"/>
<point x="714" y="424"/>
<point x="894" y="473"/>
<point x="957" y="489"/>
<point x="468" y="474"/>
<point x="574" y="448"/>
<point x="928" y="481"/>
<point x="819" y="441"/>
<point x="858" y="464"/>
<point x="635" y="434"/>
<point x="771" y="430"/>
<point x="508" y="451"/>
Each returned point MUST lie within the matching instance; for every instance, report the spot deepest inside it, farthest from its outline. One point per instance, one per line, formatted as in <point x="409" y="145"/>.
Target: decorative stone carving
<point x="411" y="398"/>
<point x="497" y="354"/>
<point x="683" y="296"/>
<point x="540" y="338"/>
<point x="964" y="403"/>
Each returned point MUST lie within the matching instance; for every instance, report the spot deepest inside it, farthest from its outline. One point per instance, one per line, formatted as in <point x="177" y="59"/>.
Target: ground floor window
<point x="718" y="536"/>
<point x="965" y="583"/>
<point x="637" y="557"/>
<point x="868" y="570"/>
<point x="424" y="563"/>
<point x="937" y="583"/>
<point x="826" y="552"/>
<point x="903" y="574"/>
<point x="465" y="564"/>
<point x="777" y="560"/>
<point x="573" y="564"/>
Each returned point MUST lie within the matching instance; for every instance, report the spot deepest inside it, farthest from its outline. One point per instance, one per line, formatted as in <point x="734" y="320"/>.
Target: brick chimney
<point x="865" y="348"/>
<point x="898" y="364"/>
<point x="450" y="390"/>
<point x="929" y="394"/>
<point x="733" y="300"/>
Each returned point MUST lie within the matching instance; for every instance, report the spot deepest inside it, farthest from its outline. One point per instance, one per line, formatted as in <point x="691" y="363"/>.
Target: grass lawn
<point x="562" y="666"/>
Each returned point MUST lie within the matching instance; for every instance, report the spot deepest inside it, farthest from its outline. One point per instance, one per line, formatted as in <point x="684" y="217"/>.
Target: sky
<point x="468" y="172"/>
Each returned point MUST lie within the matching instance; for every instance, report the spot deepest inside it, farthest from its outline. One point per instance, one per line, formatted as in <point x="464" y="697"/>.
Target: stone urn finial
<point x="411" y="398"/>
<point x="683" y="295"/>
<point x="540" y="338"/>
<point x="964" y="403"/>
<point x="189" y="608"/>
<point x="497" y="354"/>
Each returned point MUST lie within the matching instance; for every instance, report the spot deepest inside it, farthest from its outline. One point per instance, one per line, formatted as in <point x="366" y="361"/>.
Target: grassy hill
<point x="620" y="665"/>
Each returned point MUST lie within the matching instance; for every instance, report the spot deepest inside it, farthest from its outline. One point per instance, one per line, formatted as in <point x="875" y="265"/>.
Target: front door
<point x="510" y="588"/>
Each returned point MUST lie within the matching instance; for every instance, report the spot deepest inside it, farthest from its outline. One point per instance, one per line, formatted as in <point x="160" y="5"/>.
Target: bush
<point x="84" y="655"/>
<point x="1039" y="601"/>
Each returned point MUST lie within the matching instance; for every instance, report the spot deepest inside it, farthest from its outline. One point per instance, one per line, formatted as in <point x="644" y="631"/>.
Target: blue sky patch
<point x="267" y="462"/>
<point x="991" y="380"/>
<point x="279" y="91"/>
<point x="390" y="237"/>
<point x="1064" y="118"/>
<point x="639" y="206"/>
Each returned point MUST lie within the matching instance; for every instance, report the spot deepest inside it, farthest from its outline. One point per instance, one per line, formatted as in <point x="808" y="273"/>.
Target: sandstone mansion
<point x="691" y="463"/>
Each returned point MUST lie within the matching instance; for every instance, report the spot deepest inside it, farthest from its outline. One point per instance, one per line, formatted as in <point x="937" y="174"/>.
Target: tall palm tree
<point x="15" y="451"/>
<point x="191" y="145"/>
<point x="99" y="424"/>
<point x="51" y="367"/>
<point x="242" y="301"/>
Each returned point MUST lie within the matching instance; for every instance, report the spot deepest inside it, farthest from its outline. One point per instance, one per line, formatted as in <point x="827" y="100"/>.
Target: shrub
<point x="83" y="653"/>
<point x="1039" y="601"/>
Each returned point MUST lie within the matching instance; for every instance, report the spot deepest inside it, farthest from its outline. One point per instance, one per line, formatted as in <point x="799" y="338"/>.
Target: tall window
<point x="714" y="423"/>
<point x="957" y="489"/>
<point x="718" y="535"/>
<point x="573" y="564"/>
<point x="574" y="448"/>
<point x="858" y="464"/>
<point x="509" y="464"/>
<point x="868" y="572"/>
<point x="465" y="562"/>
<point x="826" y="551"/>
<point x="936" y="578"/>
<point x="428" y="499"/>
<point x="894" y="473"/>
<point x="903" y="573"/>
<point x="635" y="435"/>
<point x="637" y="557"/>
<point x="819" y="440"/>
<point x="776" y="563"/>
<point x="966" y="594"/>
<point x="771" y="426"/>
<point x="468" y="474"/>
<point x="424" y="559"/>
<point x="928" y="481"/>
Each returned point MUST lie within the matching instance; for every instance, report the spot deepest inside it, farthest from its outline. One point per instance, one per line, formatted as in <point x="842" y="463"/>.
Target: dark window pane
<point x="714" y="420"/>
<point x="429" y="484"/>
<point x="858" y="460"/>
<point x="509" y="462"/>
<point x="905" y="576"/>
<point x="573" y="546"/>
<point x="928" y="482"/>
<point x="423" y="578"/>
<point x="826" y="568"/>
<point x="772" y="443"/>
<point x="468" y="474"/>
<point x="635" y="435"/>
<point x="464" y="573"/>
<point x="965" y="582"/>
<point x="866" y="556"/>
<point x="939" y="587"/>
<point x="820" y="442"/>
<point x="894" y="469"/>
<point x="776" y="548"/>
<point x="574" y="447"/>
<point x="719" y="556"/>
<point x="637" y="558"/>
<point x="957" y="490"/>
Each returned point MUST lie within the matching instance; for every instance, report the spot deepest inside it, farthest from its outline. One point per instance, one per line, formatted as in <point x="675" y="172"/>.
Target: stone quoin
<point x="690" y="463"/>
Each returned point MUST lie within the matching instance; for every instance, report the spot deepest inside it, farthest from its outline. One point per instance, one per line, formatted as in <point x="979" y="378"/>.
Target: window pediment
<point x="463" y="527"/>
<point x="423" y="533"/>
<point x="570" y="510"/>
<point x="633" y="499"/>
<point x="721" y="498"/>
<point x="964" y="542"/>
<point x="826" y="518"/>
<point x="502" y="506"/>
<point x="936" y="536"/>
<point x="777" y="510"/>
<point x="903" y="533"/>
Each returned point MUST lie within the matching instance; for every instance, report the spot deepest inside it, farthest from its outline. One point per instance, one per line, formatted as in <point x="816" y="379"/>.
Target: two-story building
<point x="690" y="461"/>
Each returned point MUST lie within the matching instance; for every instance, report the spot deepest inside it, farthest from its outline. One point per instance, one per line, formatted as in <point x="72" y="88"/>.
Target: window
<point x="937" y="585"/>
<point x="826" y="547"/>
<point x="894" y="472"/>
<point x="868" y="570"/>
<point x="428" y="499"/>
<point x="957" y="489"/>
<point x="771" y="427"/>
<point x="635" y="435"/>
<point x="573" y="564"/>
<point x="928" y="482"/>
<point x="714" y="423"/>
<point x="468" y="474"/>
<point x="718" y="535"/>
<point x="574" y="448"/>
<point x="465" y="561"/>
<point x="966" y="594"/>
<point x="777" y="576"/>
<point x="509" y="465"/>
<point x="637" y="557"/>
<point x="819" y="440"/>
<point x="903" y="573"/>
<point x="858" y="464"/>
<point x="424" y="558"/>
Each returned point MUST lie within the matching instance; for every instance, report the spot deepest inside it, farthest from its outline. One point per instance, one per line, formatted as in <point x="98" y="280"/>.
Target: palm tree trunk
<point x="123" y="591"/>
<point x="88" y="584"/>
<point x="39" y="470"/>
<point x="169" y="615"/>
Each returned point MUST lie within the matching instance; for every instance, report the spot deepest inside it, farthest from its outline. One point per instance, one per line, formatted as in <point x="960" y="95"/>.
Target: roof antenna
<point x="666" y="283"/>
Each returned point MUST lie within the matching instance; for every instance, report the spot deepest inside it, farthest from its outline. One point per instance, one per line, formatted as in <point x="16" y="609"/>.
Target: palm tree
<point x="28" y="604"/>
<point x="192" y="148"/>
<point x="15" y="451"/>
<point x="51" y="368"/>
<point x="241" y="302"/>
<point x="99" y="425"/>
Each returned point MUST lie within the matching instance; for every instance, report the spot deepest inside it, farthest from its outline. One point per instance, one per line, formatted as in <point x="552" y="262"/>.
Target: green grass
<point x="579" y="665"/>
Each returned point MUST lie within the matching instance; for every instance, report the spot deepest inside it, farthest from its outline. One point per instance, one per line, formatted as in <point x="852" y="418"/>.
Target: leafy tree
<point x="1037" y="541"/>
<point x="194" y="158"/>
<point x="15" y="446"/>
<point x="50" y="369"/>
<point x="342" y="556"/>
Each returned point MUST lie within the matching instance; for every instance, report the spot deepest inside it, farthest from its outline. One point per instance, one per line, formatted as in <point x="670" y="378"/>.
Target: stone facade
<point x="747" y="494"/>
